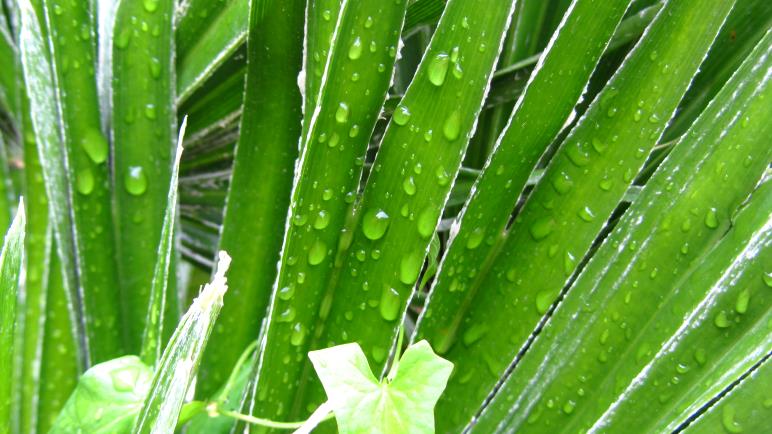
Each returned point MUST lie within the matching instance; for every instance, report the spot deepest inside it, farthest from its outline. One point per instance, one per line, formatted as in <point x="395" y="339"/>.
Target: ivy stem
<point x="215" y="411"/>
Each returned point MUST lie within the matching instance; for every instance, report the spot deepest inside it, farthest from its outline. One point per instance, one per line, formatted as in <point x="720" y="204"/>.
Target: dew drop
<point x="374" y="224"/>
<point x="390" y="303"/>
<point x="409" y="185"/>
<point x="286" y="292"/>
<point x="452" y="127"/>
<point x="543" y="301"/>
<point x="355" y="51"/>
<point x="728" y="419"/>
<point x="95" y="145"/>
<point x="286" y="315"/>
<point x="298" y="334"/>
<point x="150" y="111"/>
<point x="442" y="176"/>
<point x="586" y="214"/>
<point x="541" y="228"/>
<point x="401" y="115"/>
<point x="135" y="180"/>
<point x="341" y="115"/>
<point x="85" y="181"/>
<point x="741" y="305"/>
<point x="562" y="182"/>
<point x="438" y="69"/>
<point x="711" y="218"/>
<point x="410" y="266"/>
<point x="317" y="252"/>
<point x="474" y="333"/>
<point x="721" y="320"/>
<point x="475" y="238"/>
<point x="322" y="219"/>
<point x="151" y="5"/>
<point x="427" y="221"/>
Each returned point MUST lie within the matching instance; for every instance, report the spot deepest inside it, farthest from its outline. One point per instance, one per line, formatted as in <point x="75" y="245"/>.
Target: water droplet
<point x="569" y="263"/>
<point x="586" y="214"/>
<point x="568" y="407"/>
<point x="474" y="333"/>
<point x="322" y="220"/>
<point x="390" y="303"/>
<point x="728" y="419"/>
<point x="542" y="227"/>
<point x="334" y="140"/>
<point x="611" y="112"/>
<point x="721" y="320"/>
<point x="317" y="252"/>
<point x="562" y="182"/>
<point x="341" y="115"/>
<point x="410" y="266"/>
<point x="299" y="219"/>
<point x="135" y="180"/>
<point x="286" y="315"/>
<point x="409" y="185"/>
<point x="741" y="305"/>
<point x="442" y="176"/>
<point x="155" y="67"/>
<point x="124" y="380"/>
<point x="767" y="277"/>
<point x="438" y="69"/>
<point x="452" y="127"/>
<point x="577" y="154"/>
<point x="711" y="218"/>
<point x="368" y="22"/>
<point x="298" y="334"/>
<point x="379" y="354"/>
<point x="355" y="51"/>
<point x="374" y="223"/>
<point x="401" y="115"/>
<point x="326" y="15"/>
<point x="327" y="194"/>
<point x="427" y="221"/>
<point x="151" y="5"/>
<point x="354" y="131"/>
<point x="654" y="119"/>
<point x="150" y="111"/>
<point x="95" y="145"/>
<point x="286" y="292"/>
<point x="123" y="38"/>
<point x="475" y="238"/>
<point x="605" y="184"/>
<point x="543" y="301"/>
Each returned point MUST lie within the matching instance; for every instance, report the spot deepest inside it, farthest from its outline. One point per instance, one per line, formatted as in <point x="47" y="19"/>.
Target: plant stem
<point x="263" y="422"/>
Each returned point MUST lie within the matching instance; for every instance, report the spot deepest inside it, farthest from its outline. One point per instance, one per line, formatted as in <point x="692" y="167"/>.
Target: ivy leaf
<point x="107" y="399"/>
<point x="362" y="404"/>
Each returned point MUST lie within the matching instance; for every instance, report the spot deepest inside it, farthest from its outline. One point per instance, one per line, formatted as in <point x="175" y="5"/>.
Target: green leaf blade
<point x="743" y="409"/>
<point x="582" y="185"/>
<point x="86" y="152"/>
<point x="256" y="207"/>
<point x="355" y="81"/>
<point x="10" y="267"/>
<point x="179" y="364"/>
<point x="637" y="274"/>
<point x="142" y="129"/>
<point x="540" y="114"/>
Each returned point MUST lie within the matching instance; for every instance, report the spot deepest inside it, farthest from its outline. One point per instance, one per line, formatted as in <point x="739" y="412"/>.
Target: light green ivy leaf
<point x="362" y="404"/>
<point x="107" y="399"/>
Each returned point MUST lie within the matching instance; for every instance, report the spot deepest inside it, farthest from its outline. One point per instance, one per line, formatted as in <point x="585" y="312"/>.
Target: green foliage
<point x="402" y="402"/>
<point x="107" y="399"/>
<point x="10" y="267"/>
<point x="567" y="200"/>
